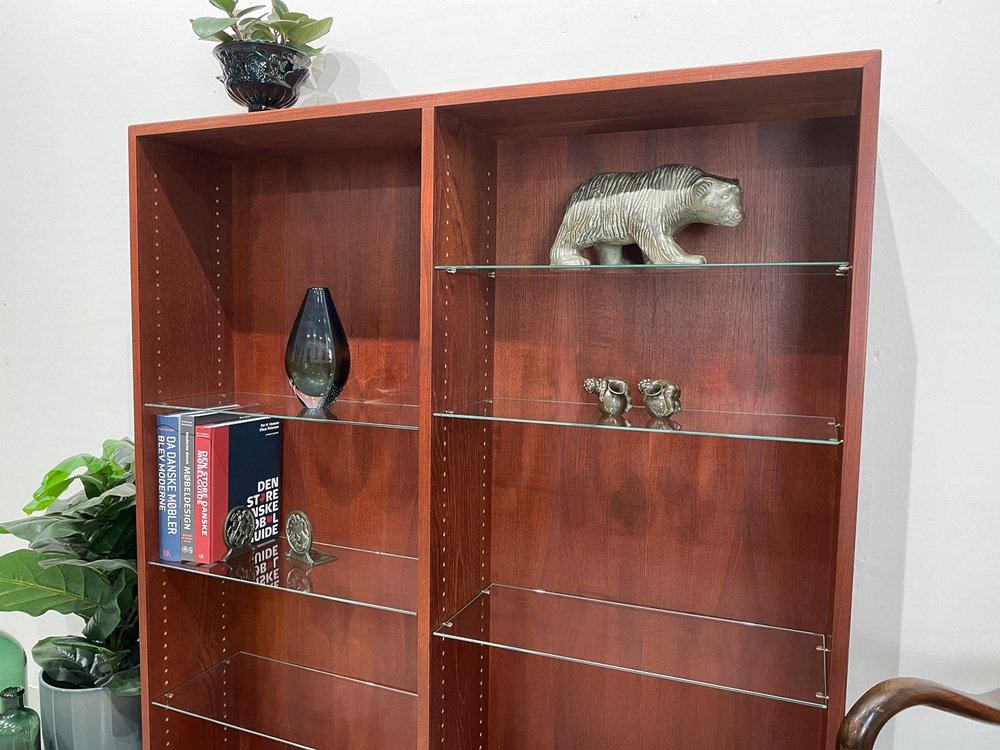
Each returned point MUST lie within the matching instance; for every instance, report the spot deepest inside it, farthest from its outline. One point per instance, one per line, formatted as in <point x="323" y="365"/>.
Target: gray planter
<point x="88" y="719"/>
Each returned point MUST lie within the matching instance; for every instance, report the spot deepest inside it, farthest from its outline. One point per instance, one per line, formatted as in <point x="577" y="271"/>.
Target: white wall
<point x="926" y="601"/>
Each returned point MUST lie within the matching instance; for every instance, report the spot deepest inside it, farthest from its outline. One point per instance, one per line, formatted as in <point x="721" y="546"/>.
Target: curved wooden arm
<point x="863" y="722"/>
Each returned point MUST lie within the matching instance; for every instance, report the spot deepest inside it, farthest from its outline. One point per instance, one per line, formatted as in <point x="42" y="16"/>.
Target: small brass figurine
<point x="237" y="531"/>
<point x="613" y="395"/>
<point x="299" y="532"/>
<point x="648" y="209"/>
<point x="662" y="398"/>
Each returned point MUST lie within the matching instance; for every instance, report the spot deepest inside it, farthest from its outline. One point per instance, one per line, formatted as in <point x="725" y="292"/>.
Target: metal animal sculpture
<point x="661" y="398"/>
<point x="648" y="209"/>
<point x="613" y="395"/>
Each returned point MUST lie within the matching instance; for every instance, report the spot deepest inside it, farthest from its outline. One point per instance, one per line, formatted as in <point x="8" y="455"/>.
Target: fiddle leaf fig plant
<point x="81" y="560"/>
<point x="280" y="26"/>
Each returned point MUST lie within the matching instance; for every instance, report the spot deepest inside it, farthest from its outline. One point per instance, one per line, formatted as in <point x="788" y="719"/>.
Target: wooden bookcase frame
<point x="504" y="542"/>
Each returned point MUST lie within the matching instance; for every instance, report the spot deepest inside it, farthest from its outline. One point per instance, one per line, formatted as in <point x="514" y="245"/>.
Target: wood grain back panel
<point x="740" y="529"/>
<point x="348" y="221"/>
<point x="358" y="485"/>
<point x="542" y="704"/>
<point x="749" y="341"/>
<point x="796" y="178"/>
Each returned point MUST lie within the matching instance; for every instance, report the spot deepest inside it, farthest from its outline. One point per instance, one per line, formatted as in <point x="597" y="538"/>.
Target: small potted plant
<point x="81" y="560"/>
<point x="265" y="57"/>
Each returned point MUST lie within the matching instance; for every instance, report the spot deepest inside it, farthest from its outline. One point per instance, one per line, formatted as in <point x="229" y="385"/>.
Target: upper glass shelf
<point x="740" y="657"/>
<point x="361" y="577"/>
<point x="744" y="425"/>
<point x="365" y="413"/>
<point x="836" y="267"/>
<point x="284" y="702"/>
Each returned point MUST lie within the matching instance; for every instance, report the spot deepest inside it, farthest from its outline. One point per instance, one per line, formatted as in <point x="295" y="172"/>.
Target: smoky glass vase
<point x="20" y="727"/>
<point x="317" y="357"/>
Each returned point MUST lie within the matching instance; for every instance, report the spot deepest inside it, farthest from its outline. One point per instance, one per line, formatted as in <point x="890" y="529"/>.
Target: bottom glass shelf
<point x="786" y="665"/>
<point x="300" y="707"/>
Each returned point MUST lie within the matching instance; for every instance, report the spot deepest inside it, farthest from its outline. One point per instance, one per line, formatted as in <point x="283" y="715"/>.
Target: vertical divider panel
<point x="463" y="223"/>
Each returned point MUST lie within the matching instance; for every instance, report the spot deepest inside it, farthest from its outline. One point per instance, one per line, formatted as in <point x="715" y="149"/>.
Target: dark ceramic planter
<point x="262" y="75"/>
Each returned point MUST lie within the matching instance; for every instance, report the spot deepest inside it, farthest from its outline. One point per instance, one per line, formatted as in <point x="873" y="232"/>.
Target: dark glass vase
<point x="20" y="728"/>
<point x="317" y="358"/>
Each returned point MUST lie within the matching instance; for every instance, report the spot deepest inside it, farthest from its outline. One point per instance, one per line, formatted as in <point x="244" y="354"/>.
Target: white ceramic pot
<point x="88" y="719"/>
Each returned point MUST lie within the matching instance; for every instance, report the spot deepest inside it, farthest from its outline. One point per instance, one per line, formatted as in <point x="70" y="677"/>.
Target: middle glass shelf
<point x="788" y="428"/>
<point x="363" y="413"/>
<point x="742" y="657"/>
<point x="360" y="577"/>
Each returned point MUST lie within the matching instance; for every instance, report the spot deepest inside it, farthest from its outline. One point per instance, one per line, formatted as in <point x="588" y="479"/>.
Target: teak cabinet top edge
<point x="829" y="63"/>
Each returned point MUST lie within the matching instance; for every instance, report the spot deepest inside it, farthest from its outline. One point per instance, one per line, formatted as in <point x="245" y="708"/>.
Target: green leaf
<point x="222" y="36"/>
<point x="108" y="615"/>
<point x="76" y="661"/>
<point x="280" y="9"/>
<point x="310" y="31"/>
<point x="55" y="482"/>
<point x="48" y="559"/>
<point x="226" y="5"/>
<point x="123" y="683"/>
<point x="27" y="587"/>
<point x="311" y="51"/>
<point x="285" y="27"/>
<point x="206" y="27"/>
<point x="248" y="11"/>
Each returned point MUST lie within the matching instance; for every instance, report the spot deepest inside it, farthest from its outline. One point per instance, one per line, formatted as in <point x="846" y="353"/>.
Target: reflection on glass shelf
<point x="838" y="267"/>
<point x="778" y="427"/>
<point x="300" y="707"/>
<point x="361" y="577"/>
<point x="368" y="413"/>
<point x="786" y="665"/>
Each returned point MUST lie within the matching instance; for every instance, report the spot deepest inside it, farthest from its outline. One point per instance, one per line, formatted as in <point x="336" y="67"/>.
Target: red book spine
<point x="202" y="478"/>
<point x="218" y="492"/>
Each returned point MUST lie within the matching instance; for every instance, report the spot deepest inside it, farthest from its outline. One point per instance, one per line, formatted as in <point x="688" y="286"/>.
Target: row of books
<point x="207" y="464"/>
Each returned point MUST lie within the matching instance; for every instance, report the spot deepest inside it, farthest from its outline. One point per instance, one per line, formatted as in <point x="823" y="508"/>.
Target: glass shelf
<point x="837" y="267"/>
<point x="366" y="413"/>
<point x="785" y="665"/>
<point x="745" y="425"/>
<point x="367" y="579"/>
<point x="300" y="707"/>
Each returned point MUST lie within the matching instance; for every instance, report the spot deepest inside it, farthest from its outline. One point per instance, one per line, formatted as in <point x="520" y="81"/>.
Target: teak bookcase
<point x="513" y="571"/>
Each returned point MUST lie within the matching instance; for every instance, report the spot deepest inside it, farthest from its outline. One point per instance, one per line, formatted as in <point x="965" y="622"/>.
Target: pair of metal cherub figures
<point x="661" y="398"/>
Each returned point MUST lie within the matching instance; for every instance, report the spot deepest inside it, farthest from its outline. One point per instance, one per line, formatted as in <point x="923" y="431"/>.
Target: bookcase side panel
<point x="182" y="345"/>
<point x="862" y="216"/>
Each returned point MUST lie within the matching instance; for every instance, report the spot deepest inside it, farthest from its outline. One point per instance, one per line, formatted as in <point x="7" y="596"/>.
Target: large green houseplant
<point x="81" y="560"/>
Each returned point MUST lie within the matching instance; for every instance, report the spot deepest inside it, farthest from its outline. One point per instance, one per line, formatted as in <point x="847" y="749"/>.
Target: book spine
<point x="202" y="495"/>
<point x="218" y="491"/>
<point x="186" y="437"/>
<point x="167" y="478"/>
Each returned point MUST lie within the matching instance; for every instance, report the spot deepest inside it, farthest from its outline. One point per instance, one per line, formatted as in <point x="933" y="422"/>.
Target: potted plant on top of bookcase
<point x="265" y="57"/>
<point x="81" y="560"/>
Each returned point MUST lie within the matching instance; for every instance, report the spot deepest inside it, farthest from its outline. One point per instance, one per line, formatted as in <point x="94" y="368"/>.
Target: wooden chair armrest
<point x="865" y="720"/>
